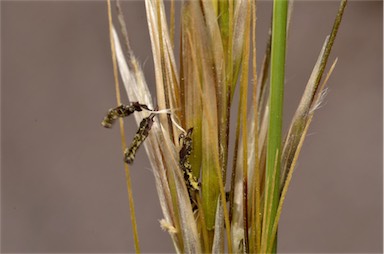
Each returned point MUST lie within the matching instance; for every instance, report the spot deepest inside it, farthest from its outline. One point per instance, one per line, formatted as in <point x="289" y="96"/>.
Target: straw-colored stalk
<point x="217" y="42"/>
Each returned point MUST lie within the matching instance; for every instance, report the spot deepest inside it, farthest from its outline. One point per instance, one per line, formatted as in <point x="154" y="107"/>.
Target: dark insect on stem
<point x="122" y="111"/>
<point x="138" y="139"/>
<point x="190" y="180"/>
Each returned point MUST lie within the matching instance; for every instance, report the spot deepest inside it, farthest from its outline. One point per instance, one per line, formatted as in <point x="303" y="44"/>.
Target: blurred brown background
<point x="62" y="179"/>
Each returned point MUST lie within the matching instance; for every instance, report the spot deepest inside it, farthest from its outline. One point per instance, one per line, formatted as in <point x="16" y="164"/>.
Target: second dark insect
<point x="138" y="139"/>
<point x="190" y="180"/>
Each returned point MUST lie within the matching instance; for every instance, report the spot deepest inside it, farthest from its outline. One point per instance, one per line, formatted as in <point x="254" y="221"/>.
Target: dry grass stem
<point x="122" y="133"/>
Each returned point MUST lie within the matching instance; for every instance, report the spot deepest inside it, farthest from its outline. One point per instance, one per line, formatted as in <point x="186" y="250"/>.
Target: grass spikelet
<point x="300" y="118"/>
<point x="284" y="191"/>
<point x="217" y="53"/>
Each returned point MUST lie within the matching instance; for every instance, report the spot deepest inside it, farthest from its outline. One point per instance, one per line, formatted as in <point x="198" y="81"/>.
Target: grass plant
<point x="217" y="55"/>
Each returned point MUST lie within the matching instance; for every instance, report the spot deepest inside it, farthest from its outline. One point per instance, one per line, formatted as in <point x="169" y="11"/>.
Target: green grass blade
<point x="280" y="9"/>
